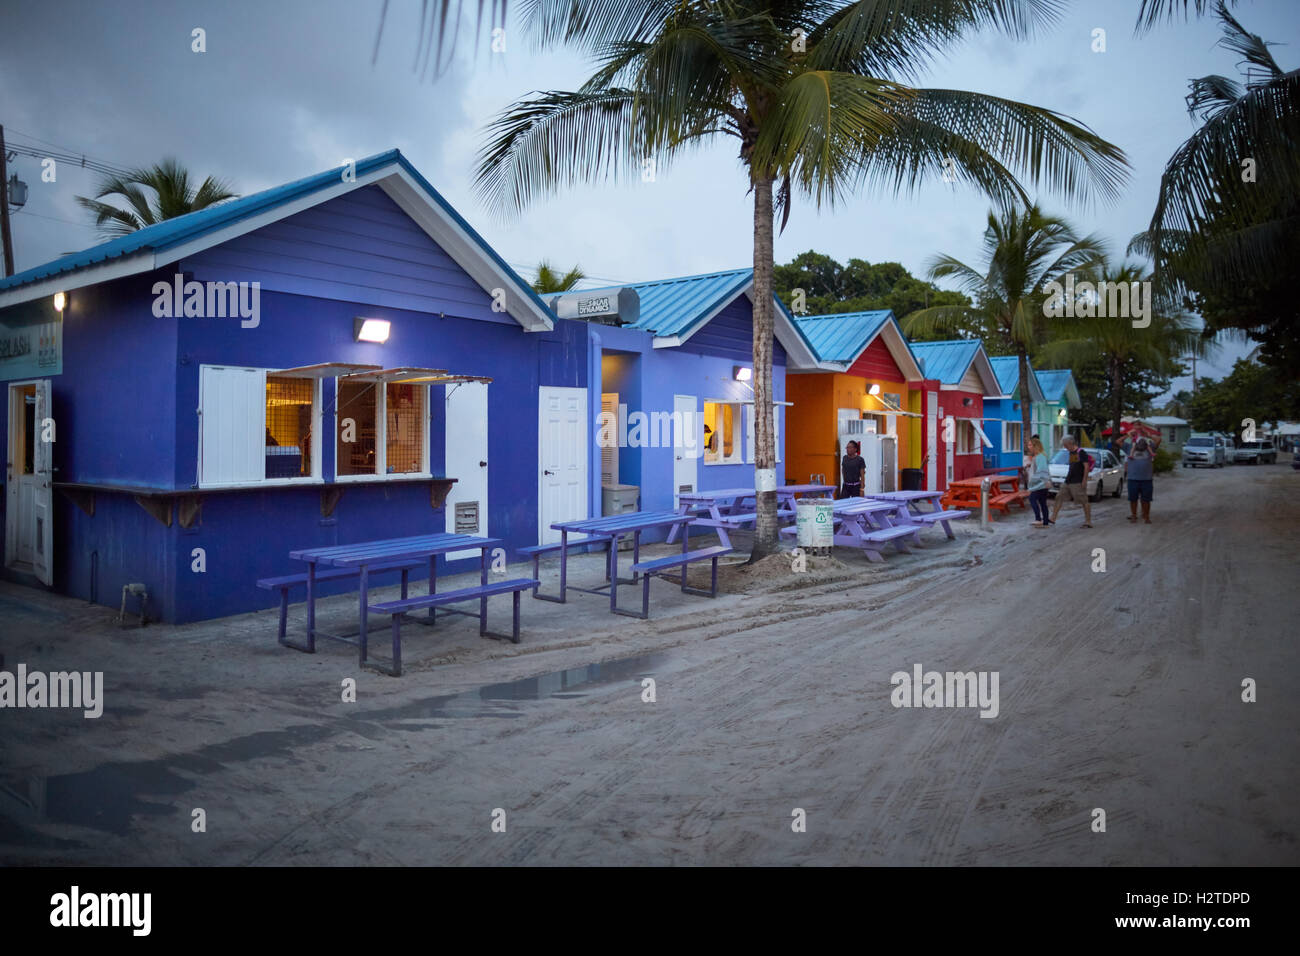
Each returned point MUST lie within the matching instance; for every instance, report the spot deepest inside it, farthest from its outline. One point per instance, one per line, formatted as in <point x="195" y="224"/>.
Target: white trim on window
<point x="381" y="437"/>
<point x="247" y="440"/>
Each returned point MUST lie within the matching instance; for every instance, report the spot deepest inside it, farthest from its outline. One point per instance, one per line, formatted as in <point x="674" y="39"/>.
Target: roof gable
<point x="844" y="337"/>
<point x="950" y="361"/>
<point x="1058" y="386"/>
<point x="174" y="239"/>
<point x="1007" y="370"/>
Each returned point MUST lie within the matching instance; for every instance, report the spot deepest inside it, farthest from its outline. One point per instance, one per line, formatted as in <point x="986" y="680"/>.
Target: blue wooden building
<point x="671" y="369"/>
<point x="342" y="358"/>
<point x="1004" y="415"/>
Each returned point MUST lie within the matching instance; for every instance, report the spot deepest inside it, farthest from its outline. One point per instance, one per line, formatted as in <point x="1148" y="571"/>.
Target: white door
<point x="609" y="439"/>
<point x="467" y="461"/>
<point x="872" y="446"/>
<point x="688" y="446"/>
<point x="29" y="528"/>
<point x="931" y="445"/>
<point x="562" y="435"/>
<point x="888" y="463"/>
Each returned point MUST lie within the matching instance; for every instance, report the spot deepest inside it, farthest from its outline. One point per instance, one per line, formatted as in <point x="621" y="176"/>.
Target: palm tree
<point x="1170" y="335"/>
<point x="549" y="280"/>
<point x="1227" y="215"/>
<point x="172" y="196"/>
<point x="814" y="92"/>
<point x="1025" y="249"/>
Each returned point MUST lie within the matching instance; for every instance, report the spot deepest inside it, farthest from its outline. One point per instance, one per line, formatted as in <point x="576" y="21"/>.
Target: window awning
<point x="983" y="437"/>
<point x="739" y="401"/>
<point x="415" y="376"/>
<point x="890" y="411"/>
<point x="327" y="370"/>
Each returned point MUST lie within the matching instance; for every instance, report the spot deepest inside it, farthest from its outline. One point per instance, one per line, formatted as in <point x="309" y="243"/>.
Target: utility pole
<point x="5" y="236"/>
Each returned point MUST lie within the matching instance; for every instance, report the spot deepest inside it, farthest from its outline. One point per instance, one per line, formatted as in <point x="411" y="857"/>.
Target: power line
<point x="71" y="155"/>
<point x="71" y="222"/>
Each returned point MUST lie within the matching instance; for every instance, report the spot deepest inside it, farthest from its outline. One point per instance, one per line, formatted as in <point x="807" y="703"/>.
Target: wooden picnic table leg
<point x="613" y="571"/>
<point x="482" y="601"/>
<point x="433" y="581"/>
<point x="723" y="537"/>
<point x="564" y="564"/>
<point x="311" y="607"/>
<point x="636" y="553"/>
<point x="365" y="608"/>
<point x="682" y="509"/>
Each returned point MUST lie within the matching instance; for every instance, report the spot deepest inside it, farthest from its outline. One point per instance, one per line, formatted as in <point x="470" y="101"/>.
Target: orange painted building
<point x="869" y="387"/>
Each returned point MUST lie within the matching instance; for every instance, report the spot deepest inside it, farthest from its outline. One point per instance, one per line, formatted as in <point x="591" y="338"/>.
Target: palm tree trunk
<point x="765" y="524"/>
<point x="1025" y="399"/>
<point x="1117" y="396"/>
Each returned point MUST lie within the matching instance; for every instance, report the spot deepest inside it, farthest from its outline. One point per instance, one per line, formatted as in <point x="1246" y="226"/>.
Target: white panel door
<point x="931" y="445"/>
<point x="467" y="461"/>
<point x="232" y="425"/>
<point x="562" y="434"/>
<point x="688" y="446"/>
<point x="609" y="449"/>
<point x="29" y="527"/>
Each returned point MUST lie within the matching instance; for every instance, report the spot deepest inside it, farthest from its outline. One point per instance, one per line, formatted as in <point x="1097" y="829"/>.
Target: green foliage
<point x="858" y="286"/>
<point x="1252" y="391"/>
<point x="163" y="191"/>
<point x="549" y="279"/>
<point x="1142" y="384"/>
<point x="1164" y="460"/>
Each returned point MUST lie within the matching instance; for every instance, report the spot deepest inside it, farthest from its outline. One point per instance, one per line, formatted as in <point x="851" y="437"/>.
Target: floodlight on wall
<point x="60" y="300"/>
<point x="968" y="400"/>
<point x="742" y="373"/>
<point x="371" y="330"/>
<point x="874" y="389"/>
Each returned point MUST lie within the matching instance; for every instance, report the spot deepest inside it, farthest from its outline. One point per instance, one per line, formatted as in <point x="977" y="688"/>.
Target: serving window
<point x="381" y="429"/>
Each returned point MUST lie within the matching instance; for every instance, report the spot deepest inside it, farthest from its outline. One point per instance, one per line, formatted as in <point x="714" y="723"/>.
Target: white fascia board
<point x="133" y="264"/>
<point x="462" y="248"/>
<point x="984" y="368"/>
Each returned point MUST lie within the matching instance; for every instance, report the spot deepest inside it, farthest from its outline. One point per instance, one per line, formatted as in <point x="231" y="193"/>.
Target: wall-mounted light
<point x="742" y="373"/>
<point x="371" y="330"/>
<point x="968" y="400"/>
<point x="60" y="300"/>
<point x="874" y="389"/>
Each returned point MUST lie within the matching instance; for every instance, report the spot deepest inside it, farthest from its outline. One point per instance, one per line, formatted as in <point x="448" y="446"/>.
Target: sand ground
<point x="1119" y="690"/>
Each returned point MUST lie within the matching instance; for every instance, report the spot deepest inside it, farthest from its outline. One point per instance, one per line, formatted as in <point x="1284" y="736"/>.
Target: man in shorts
<point x="1075" y="487"/>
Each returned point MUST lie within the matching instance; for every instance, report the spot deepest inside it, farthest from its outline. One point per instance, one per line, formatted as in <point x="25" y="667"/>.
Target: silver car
<point x="1209" y="450"/>
<point x="1253" y="452"/>
<point x="1107" y="473"/>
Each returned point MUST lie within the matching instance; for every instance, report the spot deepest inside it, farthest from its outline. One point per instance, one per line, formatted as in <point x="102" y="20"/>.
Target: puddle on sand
<point x="107" y="797"/>
<point x="557" y="684"/>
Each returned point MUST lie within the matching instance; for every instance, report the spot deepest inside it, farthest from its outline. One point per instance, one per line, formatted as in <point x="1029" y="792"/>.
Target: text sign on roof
<point x="31" y="341"/>
<point x="597" y="305"/>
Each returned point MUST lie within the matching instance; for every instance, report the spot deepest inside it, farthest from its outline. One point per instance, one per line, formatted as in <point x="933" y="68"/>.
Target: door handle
<point x="545" y="472"/>
<point x="482" y="464"/>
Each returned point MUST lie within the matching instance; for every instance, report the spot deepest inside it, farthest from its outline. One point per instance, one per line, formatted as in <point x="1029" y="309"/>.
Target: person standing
<point x="1075" y="487"/>
<point x="1139" y="472"/>
<point x="1040" y="479"/>
<point x="851" y="470"/>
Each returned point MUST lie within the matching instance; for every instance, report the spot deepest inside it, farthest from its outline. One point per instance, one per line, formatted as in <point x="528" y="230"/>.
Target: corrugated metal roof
<point x="183" y="229"/>
<point x="946" y="361"/>
<point x="841" y="337"/>
<point x="1007" y="369"/>
<point x="1053" y="382"/>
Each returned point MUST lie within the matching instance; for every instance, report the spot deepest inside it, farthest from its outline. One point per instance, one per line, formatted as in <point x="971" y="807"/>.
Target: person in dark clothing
<point x="1075" y="486"/>
<point x="852" y="468"/>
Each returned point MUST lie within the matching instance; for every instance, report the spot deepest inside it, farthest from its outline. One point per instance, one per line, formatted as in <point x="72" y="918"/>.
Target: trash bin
<point x="815" y="522"/>
<point x="911" y="479"/>
<point x="619" y="499"/>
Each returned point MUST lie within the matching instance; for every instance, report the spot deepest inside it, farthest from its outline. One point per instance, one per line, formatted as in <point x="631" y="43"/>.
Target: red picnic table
<point x="1004" y="491"/>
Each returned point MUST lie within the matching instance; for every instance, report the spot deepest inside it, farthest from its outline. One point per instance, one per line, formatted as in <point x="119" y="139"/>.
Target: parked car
<point x="1253" y="452"/>
<point x="1209" y="450"/>
<point x="1107" y="473"/>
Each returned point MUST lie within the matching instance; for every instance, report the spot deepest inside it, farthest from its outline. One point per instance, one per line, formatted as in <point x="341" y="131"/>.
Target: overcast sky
<point x="286" y="88"/>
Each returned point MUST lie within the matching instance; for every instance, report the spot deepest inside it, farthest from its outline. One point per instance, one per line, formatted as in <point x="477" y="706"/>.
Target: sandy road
<point x="1119" y="690"/>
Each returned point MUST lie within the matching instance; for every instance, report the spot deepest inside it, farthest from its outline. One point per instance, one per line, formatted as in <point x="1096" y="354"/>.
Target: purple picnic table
<point x="931" y="514"/>
<point x="731" y="508"/>
<point x="868" y="525"/>
<point x="363" y="554"/>
<point x="613" y="527"/>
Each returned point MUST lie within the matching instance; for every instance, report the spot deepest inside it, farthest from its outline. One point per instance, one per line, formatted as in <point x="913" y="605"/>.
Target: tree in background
<point x="1252" y="391"/>
<point x="816" y="94"/>
<point x="1123" y="346"/>
<point x="859" y="286"/>
<point x="169" y="194"/>
<point x="1024" y="250"/>
<point x="1142" y="385"/>
<point x="549" y="280"/>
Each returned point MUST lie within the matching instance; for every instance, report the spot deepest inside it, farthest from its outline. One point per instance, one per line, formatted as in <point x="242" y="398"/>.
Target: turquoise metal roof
<point x="677" y="307"/>
<point x="1007" y="369"/>
<point x="183" y="229"/>
<point x="674" y="306"/>
<point x="946" y="361"/>
<point x="1053" y="383"/>
<point x="841" y="337"/>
